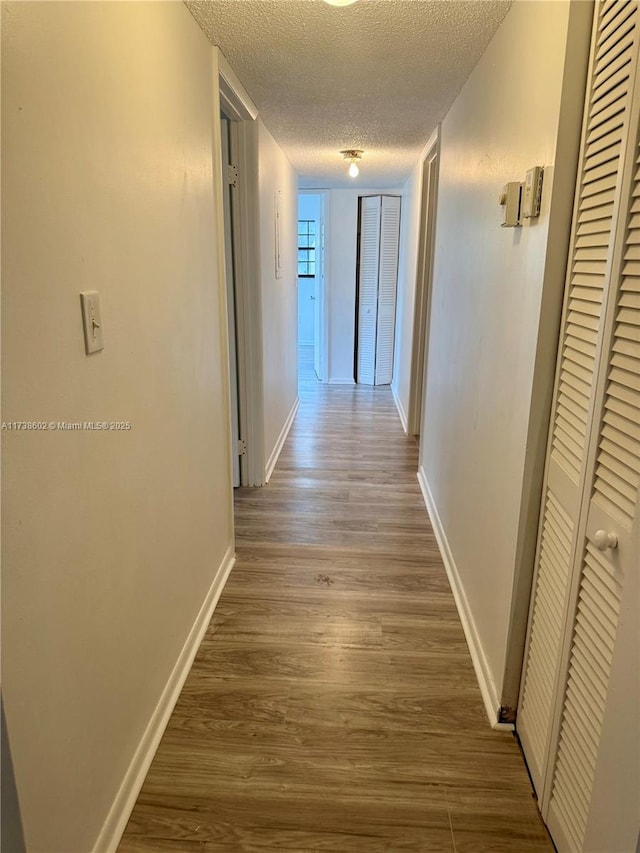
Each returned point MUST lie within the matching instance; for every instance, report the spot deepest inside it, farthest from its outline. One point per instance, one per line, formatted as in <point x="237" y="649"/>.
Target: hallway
<point x="333" y="703"/>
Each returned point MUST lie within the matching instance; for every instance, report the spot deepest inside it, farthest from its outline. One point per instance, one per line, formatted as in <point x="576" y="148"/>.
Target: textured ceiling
<point x="377" y="75"/>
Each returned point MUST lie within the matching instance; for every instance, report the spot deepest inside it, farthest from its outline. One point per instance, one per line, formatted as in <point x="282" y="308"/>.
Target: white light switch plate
<point x="92" y="321"/>
<point x="531" y="193"/>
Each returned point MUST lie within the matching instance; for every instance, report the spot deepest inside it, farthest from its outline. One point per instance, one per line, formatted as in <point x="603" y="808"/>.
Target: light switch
<point x="532" y="193"/>
<point x="92" y="321"/>
<point x="510" y="200"/>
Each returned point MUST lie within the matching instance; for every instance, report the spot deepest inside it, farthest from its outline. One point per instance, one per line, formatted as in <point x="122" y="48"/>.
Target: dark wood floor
<point x="333" y="703"/>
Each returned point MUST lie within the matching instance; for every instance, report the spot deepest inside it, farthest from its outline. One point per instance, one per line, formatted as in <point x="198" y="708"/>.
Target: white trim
<point x="233" y="96"/>
<point x="400" y="408"/>
<point x="336" y="380"/>
<point x="480" y="663"/>
<point x="433" y="140"/>
<point x="423" y="284"/>
<point x="122" y="806"/>
<point x="236" y="103"/>
<point x="284" y="432"/>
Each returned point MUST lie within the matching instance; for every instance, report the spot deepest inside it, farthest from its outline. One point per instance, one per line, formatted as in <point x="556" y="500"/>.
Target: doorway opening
<point x="311" y="287"/>
<point x="239" y="174"/>
<point x="232" y="307"/>
<point x="424" y="274"/>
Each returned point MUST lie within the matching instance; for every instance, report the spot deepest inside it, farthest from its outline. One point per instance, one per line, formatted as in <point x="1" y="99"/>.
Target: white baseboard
<point x="284" y="432"/>
<point x="403" y="415"/>
<point x="336" y="380"/>
<point x="125" y="800"/>
<point x="480" y="663"/>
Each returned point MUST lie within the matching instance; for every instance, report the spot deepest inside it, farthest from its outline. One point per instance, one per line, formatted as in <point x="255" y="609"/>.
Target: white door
<point x="578" y="718"/>
<point x="387" y="284"/>
<point x="594" y="795"/>
<point x="368" y="288"/>
<point x="318" y="296"/>
<point x="231" y="304"/>
<point x="377" y="284"/>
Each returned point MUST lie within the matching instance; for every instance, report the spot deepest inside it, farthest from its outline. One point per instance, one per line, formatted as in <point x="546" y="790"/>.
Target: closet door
<point x="387" y="284"/>
<point x="594" y="798"/>
<point x="583" y="630"/>
<point x="368" y="288"/>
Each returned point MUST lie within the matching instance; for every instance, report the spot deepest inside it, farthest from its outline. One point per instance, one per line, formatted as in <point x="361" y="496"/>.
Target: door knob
<point x="604" y="540"/>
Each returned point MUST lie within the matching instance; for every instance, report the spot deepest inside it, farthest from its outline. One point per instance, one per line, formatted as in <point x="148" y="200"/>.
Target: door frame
<point x="232" y="347"/>
<point x="238" y="107"/>
<point x="423" y="288"/>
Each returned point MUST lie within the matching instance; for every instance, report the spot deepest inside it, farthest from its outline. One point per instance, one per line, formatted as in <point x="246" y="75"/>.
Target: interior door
<point x="580" y="679"/>
<point x="594" y="796"/>
<point x="231" y="304"/>
<point x="387" y="285"/>
<point x="368" y="288"/>
<point x="318" y="342"/>
<point x="422" y="315"/>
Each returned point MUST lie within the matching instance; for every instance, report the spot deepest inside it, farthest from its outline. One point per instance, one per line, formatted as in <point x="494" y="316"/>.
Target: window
<point x="306" y="248"/>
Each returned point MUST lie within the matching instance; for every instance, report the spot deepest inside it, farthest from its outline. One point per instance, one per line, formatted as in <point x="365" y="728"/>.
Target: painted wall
<point x="490" y="355"/>
<point x="111" y="540"/>
<point x="279" y="295"/>
<point x="340" y="281"/>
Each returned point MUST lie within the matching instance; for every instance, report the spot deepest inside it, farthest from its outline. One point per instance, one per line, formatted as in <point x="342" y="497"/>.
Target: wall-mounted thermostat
<point x="532" y="193"/>
<point x="510" y="199"/>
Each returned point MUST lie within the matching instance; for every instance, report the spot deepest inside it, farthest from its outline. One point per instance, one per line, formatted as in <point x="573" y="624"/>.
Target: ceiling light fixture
<point x="352" y="155"/>
<point x="339" y="2"/>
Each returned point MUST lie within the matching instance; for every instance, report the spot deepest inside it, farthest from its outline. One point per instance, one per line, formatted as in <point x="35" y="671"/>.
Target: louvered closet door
<point x="368" y="288"/>
<point x="608" y="125"/>
<point x="594" y="800"/>
<point x="387" y="284"/>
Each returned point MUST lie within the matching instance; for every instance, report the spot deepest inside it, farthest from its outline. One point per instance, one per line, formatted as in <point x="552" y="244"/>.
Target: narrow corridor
<point x="333" y="703"/>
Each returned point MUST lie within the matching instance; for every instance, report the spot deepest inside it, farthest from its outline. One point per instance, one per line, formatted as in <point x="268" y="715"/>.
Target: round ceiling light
<point x="340" y="2"/>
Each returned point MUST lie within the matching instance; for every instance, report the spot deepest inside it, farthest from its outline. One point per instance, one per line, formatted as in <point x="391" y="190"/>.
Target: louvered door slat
<point x="613" y="34"/>
<point x="547" y="619"/>
<point x="598" y="608"/>
<point x="368" y="288"/>
<point x="607" y="10"/>
<point x="624" y="440"/>
<point x="387" y="284"/>
<point x="615" y="15"/>
<point x="617" y="474"/>
<point x="616" y="73"/>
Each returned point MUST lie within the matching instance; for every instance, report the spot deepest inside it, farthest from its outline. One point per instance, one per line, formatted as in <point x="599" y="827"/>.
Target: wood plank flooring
<point x="333" y="704"/>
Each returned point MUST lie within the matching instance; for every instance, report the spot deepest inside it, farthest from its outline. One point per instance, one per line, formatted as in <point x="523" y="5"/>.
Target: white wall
<point x="111" y="540"/>
<point x="489" y="377"/>
<point x="279" y="295"/>
<point x="341" y="255"/>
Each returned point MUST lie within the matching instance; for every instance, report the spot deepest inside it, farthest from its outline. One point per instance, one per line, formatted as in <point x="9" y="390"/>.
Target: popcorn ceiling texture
<point x="378" y="75"/>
